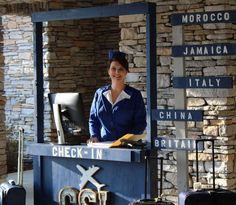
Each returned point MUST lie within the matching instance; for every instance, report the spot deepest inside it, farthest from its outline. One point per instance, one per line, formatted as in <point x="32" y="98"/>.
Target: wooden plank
<point x="85" y="152"/>
<point x="180" y="103"/>
<point x="151" y="97"/>
<point x="93" y="12"/>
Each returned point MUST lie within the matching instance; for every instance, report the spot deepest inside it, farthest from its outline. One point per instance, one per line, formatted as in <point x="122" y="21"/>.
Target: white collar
<point x="123" y="95"/>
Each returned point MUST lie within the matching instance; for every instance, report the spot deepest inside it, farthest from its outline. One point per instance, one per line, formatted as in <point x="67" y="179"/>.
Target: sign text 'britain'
<point x="177" y="144"/>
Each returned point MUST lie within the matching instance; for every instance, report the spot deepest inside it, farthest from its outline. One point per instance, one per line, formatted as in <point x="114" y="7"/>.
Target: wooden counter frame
<point x="149" y="9"/>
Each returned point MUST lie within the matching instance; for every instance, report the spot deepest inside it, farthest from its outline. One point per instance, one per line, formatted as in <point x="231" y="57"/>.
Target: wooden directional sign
<point x="204" y="50"/>
<point x="177" y="115"/>
<point x="177" y="144"/>
<point x="203" y="17"/>
<point x="203" y="82"/>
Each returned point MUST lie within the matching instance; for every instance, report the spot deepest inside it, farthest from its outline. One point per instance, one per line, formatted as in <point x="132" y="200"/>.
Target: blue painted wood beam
<point x="93" y="12"/>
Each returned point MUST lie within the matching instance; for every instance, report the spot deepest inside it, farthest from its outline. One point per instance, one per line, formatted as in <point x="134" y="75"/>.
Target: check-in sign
<point x="177" y="115"/>
<point x="203" y="82"/>
<point x="177" y="144"/>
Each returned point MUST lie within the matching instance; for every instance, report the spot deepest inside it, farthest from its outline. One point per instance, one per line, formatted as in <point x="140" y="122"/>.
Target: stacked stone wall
<point x="71" y="49"/>
<point x="76" y="58"/>
<point x="3" y="161"/>
<point x="15" y="62"/>
<point x="74" y="54"/>
<point x="218" y="105"/>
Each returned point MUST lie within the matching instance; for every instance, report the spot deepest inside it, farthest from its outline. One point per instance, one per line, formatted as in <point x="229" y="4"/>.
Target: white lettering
<point x="182" y="144"/>
<point x="73" y="153"/>
<point x="218" y="50"/>
<point x="168" y="115"/>
<point x="192" y="52"/>
<point x="186" y="51"/>
<point x="205" y="51"/>
<point x="204" y="83"/>
<point x="54" y="151"/>
<point x="225" y="50"/>
<point x="205" y="17"/>
<point x="191" y="18"/>
<point x="198" y="18"/>
<point x="60" y="152"/>
<point x="176" y="143"/>
<point x="190" y="116"/>
<point x="175" y="115"/>
<point x="185" y="19"/>
<point x="210" y="83"/>
<point x="161" y="115"/>
<point x="67" y="152"/>
<point x="190" y="82"/>
<point x="79" y="152"/>
<point x="218" y="82"/>
<point x="182" y="115"/>
<point x="157" y="144"/>
<point x="198" y="51"/>
<point x="99" y="153"/>
<point x="92" y="153"/>
<point x="213" y="17"/>
<point x="226" y="16"/>
<point x="163" y="143"/>
<point x="189" y="144"/>
<point x="197" y="82"/>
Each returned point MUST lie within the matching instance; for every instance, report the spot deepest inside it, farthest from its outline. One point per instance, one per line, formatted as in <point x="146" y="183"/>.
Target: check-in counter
<point x="87" y="175"/>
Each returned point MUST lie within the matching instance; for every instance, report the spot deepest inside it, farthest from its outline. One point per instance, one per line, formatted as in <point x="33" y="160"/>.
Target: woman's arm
<point x="94" y="123"/>
<point x="139" y="123"/>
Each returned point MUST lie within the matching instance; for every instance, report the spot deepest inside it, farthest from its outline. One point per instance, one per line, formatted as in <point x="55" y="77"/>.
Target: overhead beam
<point x="93" y="12"/>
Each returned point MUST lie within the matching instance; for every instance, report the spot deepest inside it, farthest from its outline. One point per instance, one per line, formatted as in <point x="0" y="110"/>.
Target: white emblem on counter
<point x="87" y="177"/>
<point x="77" y="152"/>
<point x="84" y="196"/>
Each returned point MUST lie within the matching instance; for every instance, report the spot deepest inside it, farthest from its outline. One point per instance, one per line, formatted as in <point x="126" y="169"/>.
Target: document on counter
<point x="117" y="143"/>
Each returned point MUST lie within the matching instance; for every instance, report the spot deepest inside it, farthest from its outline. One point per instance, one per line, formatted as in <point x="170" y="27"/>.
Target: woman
<point x="117" y="109"/>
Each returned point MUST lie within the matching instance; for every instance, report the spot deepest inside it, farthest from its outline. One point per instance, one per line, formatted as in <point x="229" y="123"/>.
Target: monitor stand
<point x="58" y="122"/>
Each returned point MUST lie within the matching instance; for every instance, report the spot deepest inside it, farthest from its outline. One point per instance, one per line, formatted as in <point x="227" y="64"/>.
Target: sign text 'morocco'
<point x="203" y="17"/>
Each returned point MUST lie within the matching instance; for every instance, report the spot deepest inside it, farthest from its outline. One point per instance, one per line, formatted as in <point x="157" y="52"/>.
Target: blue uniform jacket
<point x="127" y="116"/>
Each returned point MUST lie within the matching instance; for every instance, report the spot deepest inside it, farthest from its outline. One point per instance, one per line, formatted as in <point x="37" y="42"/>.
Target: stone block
<point x="131" y="18"/>
<point x="227" y="130"/>
<point x="195" y="102"/>
<point x="163" y="81"/>
<point x="128" y="34"/>
<point x="210" y="130"/>
<point x="172" y="177"/>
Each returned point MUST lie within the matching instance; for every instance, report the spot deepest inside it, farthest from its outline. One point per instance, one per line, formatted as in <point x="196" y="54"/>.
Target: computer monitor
<point x="68" y="112"/>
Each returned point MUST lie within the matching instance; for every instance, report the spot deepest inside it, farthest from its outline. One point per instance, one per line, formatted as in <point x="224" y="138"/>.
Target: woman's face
<point x="117" y="72"/>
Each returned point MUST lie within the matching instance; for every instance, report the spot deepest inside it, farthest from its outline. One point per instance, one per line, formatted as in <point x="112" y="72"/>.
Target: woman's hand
<point x="92" y="140"/>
